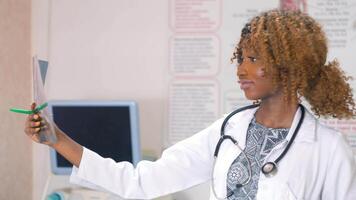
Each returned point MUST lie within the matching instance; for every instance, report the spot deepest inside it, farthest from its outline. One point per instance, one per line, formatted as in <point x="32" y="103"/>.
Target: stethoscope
<point x="269" y="168"/>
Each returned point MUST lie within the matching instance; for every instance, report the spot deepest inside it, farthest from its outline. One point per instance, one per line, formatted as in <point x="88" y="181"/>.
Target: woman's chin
<point x="252" y="97"/>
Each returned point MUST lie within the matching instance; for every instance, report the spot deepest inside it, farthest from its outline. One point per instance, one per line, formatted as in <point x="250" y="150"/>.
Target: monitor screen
<point x="109" y="128"/>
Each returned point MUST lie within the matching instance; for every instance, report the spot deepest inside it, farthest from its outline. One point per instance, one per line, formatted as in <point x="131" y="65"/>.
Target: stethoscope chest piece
<point x="269" y="169"/>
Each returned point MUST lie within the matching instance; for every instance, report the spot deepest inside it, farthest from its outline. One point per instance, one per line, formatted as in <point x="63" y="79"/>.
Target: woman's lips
<point x="245" y="84"/>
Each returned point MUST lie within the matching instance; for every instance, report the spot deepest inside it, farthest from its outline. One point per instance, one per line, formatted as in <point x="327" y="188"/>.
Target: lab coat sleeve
<point x="74" y="178"/>
<point x="340" y="182"/>
<point x="181" y="166"/>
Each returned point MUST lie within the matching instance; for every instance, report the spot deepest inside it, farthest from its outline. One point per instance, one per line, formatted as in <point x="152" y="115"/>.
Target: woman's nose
<point x="241" y="71"/>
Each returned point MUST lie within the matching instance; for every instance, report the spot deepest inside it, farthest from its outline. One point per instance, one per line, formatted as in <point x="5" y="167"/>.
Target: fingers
<point x="34" y="124"/>
<point x="35" y="117"/>
<point x="33" y="106"/>
<point x="30" y="131"/>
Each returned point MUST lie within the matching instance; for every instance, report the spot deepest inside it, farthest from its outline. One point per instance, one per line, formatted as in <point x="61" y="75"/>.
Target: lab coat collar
<point x="240" y="122"/>
<point x="307" y="132"/>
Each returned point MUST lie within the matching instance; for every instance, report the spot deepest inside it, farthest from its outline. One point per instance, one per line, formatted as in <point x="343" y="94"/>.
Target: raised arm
<point x="181" y="166"/>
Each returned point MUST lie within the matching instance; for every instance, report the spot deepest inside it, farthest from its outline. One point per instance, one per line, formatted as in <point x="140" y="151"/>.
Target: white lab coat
<point x="319" y="165"/>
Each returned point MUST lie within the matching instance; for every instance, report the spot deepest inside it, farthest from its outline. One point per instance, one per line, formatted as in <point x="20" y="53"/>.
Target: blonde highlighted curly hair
<point x="293" y="47"/>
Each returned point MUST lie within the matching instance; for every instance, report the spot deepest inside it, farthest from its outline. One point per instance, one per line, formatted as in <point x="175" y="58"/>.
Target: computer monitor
<point x="109" y="128"/>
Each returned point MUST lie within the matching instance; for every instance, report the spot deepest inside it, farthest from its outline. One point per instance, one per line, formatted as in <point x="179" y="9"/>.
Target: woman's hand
<point x="34" y="124"/>
<point x="67" y="147"/>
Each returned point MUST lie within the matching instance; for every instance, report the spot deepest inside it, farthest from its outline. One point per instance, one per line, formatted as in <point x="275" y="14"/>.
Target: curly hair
<point x="293" y="47"/>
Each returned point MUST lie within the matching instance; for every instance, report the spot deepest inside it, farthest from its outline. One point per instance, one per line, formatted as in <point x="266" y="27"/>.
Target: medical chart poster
<point x="203" y="36"/>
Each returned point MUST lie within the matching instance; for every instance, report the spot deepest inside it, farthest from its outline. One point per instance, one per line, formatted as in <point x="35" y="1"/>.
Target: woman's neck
<point x="274" y="112"/>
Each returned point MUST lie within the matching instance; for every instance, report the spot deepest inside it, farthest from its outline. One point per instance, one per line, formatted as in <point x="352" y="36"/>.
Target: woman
<point x="281" y="59"/>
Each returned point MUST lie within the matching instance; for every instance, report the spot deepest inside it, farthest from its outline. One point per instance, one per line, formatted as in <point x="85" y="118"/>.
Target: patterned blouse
<point x="260" y="140"/>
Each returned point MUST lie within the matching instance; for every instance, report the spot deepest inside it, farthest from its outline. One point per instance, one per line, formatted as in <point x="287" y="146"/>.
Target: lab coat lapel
<point x="306" y="133"/>
<point x="238" y="126"/>
<point x="275" y="187"/>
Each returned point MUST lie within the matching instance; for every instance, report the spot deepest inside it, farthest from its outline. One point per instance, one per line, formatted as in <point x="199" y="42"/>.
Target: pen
<point x="29" y="112"/>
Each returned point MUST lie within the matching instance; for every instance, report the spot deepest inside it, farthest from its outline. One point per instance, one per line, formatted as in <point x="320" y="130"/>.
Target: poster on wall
<point x="338" y="18"/>
<point x="203" y="36"/>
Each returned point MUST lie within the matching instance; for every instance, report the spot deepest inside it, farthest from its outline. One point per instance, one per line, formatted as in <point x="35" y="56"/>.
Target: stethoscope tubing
<point x="300" y="122"/>
<point x="222" y="130"/>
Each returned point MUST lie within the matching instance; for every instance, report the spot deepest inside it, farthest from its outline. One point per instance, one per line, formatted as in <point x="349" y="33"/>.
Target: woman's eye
<point x="253" y="59"/>
<point x="240" y="60"/>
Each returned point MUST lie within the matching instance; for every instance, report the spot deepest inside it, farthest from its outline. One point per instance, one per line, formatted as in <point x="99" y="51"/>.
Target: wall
<point x="15" y="90"/>
<point x="40" y="154"/>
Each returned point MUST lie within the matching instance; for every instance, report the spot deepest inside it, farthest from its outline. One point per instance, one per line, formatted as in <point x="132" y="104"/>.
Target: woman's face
<point x="253" y="80"/>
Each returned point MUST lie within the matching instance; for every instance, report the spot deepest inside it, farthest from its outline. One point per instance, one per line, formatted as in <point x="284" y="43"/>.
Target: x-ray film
<point x="47" y="132"/>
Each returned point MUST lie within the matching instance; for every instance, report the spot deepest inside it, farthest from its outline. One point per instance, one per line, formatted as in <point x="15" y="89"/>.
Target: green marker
<point x="29" y="112"/>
